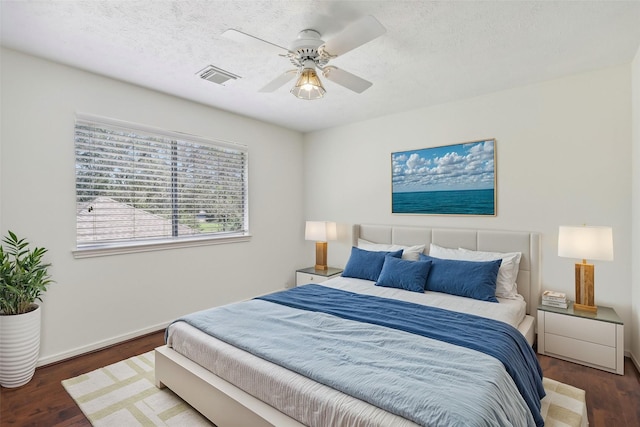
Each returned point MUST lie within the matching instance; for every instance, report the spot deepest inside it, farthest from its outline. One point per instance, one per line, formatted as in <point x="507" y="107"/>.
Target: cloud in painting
<point x="453" y="167"/>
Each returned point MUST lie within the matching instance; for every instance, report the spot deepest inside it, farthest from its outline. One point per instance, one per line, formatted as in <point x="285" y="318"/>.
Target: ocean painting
<point x="455" y="179"/>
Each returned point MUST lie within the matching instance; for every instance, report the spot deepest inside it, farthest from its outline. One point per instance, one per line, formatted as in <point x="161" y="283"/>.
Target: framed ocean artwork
<point x="457" y="179"/>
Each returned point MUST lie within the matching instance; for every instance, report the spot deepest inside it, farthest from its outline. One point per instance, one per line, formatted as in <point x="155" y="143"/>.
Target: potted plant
<point x="23" y="278"/>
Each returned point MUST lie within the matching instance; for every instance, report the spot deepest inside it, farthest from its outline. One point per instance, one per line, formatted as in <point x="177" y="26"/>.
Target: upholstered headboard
<point x="529" y="282"/>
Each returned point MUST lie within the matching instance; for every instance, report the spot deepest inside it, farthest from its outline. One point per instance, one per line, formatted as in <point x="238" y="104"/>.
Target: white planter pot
<point x="19" y="347"/>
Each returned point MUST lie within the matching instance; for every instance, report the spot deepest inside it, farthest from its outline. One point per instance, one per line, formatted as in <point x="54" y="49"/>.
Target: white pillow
<point x="506" y="286"/>
<point x="445" y="253"/>
<point x="411" y="253"/>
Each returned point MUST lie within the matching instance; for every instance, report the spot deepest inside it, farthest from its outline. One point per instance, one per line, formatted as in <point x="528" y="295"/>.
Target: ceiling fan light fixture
<point x="308" y="85"/>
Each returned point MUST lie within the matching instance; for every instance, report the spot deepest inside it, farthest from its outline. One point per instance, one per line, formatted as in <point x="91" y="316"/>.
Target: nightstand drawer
<point x="602" y="333"/>
<point x="583" y="351"/>
<point x="304" y="278"/>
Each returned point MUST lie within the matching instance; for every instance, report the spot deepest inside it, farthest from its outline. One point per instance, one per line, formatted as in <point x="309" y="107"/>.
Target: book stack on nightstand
<point x="555" y="299"/>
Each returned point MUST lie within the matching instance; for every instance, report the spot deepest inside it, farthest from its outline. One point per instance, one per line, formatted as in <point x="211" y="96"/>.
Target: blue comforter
<point x="491" y="337"/>
<point x="455" y="369"/>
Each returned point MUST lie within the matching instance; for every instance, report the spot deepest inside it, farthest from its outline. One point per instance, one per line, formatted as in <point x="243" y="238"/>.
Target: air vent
<point x="216" y="75"/>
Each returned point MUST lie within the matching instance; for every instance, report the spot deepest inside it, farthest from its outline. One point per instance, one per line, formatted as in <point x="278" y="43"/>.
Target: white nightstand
<point x="590" y="339"/>
<point x="311" y="275"/>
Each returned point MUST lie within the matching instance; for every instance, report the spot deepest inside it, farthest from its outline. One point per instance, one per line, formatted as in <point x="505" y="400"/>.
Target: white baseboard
<point x="635" y="360"/>
<point x="99" y="344"/>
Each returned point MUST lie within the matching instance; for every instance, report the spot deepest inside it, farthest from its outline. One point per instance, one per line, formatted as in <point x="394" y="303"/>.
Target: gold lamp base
<point x="584" y="288"/>
<point x="321" y="256"/>
<point x="591" y="308"/>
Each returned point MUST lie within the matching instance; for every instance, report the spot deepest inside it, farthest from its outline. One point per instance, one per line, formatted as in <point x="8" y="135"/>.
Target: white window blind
<point x="136" y="184"/>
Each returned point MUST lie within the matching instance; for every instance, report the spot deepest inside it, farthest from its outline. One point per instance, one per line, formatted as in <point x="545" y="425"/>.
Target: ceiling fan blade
<point x="279" y="81"/>
<point x="250" y="40"/>
<point x="356" y="34"/>
<point x="346" y="79"/>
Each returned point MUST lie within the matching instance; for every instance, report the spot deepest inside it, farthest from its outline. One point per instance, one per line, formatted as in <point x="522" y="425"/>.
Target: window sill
<point x="106" y="250"/>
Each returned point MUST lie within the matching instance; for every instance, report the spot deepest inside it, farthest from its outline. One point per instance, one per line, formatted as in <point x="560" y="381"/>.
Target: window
<point x="139" y="187"/>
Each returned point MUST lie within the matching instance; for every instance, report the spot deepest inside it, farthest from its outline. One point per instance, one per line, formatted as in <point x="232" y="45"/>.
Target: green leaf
<point x="23" y="275"/>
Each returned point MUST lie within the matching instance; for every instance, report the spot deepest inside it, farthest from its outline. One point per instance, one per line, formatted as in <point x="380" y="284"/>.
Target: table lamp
<point x="585" y="243"/>
<point x="321" y="232"/>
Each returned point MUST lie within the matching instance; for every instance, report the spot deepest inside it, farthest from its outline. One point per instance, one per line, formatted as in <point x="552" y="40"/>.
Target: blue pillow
<point x="404" y="274"/>
<point x="472" y="279"/>
<point x="366" y="264"/>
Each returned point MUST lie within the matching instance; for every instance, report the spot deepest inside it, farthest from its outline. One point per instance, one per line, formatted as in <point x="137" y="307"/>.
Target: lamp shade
<point x="308" y="84"/>
<point x="320" y="231"/>
<point x="585" y="242"/>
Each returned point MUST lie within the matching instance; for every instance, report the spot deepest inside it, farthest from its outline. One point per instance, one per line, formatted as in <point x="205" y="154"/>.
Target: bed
<point x="235" y="387"/>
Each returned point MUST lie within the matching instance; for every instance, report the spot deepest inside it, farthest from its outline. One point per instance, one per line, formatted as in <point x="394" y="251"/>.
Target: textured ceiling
<point x="433" y="52"/>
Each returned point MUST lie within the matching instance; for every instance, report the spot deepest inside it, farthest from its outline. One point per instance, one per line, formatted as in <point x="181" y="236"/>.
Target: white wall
<point x="563" y="150"/>
<point x="563" y="158"/>
<point x="635" y="197"/>
<point x="105" y="299"/>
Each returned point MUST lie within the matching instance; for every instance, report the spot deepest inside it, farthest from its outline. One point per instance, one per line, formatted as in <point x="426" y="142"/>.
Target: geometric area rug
<point x="564" y="405"/>
<point x="124" y="394"/>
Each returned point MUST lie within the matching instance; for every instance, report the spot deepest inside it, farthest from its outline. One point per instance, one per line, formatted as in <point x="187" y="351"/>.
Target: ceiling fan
<point x="309" y="52"/>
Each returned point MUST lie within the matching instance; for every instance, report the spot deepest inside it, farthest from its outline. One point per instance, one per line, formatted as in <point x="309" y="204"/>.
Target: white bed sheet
<point x="511" y="311"/>
<point x="292" y="393"/>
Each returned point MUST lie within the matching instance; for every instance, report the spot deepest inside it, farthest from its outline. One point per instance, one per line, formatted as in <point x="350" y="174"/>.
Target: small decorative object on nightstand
<point x="594" y="339"/>
<point x="311" y="275"/>
<point x="555" y="299"/>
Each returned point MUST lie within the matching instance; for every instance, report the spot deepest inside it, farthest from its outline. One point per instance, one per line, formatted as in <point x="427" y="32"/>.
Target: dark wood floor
<point x="43" y="402"/>
<point x="612" y="400"/>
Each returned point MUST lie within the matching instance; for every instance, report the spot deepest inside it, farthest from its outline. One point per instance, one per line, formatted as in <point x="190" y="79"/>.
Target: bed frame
<point x="228" y="406"/>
